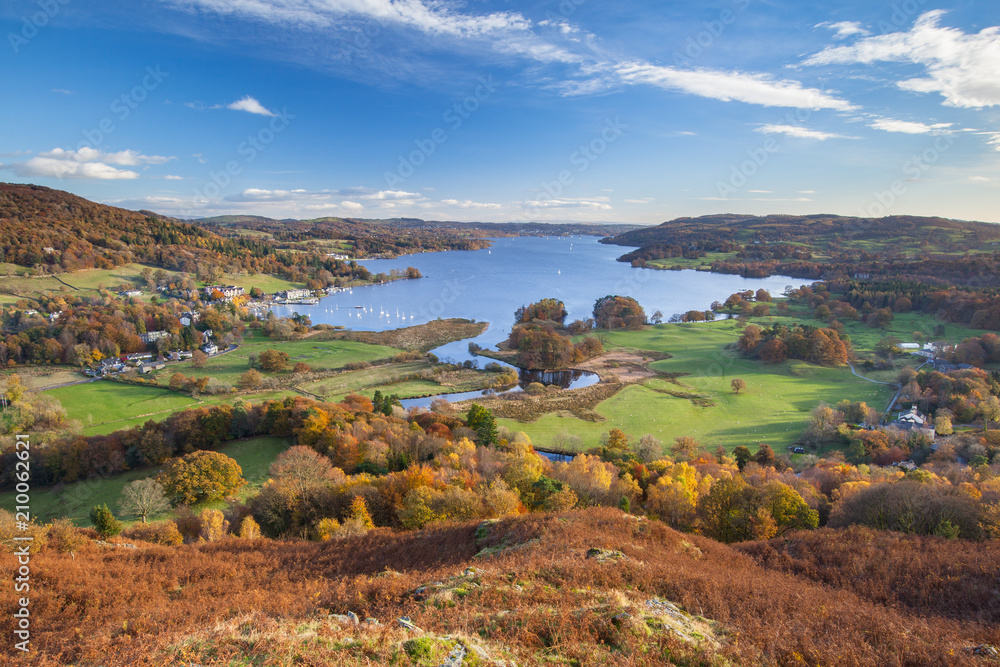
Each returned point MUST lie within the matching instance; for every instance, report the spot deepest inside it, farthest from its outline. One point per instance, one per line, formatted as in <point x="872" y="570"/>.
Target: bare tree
<point x="142" y="498"/>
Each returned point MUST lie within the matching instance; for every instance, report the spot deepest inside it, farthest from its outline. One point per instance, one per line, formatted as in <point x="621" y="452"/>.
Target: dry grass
<point x="536" y="599"/>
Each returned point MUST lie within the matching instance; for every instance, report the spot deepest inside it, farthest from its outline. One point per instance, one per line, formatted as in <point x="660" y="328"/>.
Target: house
<point x="227" y="291"/>
<point x="131" y="292"/>
<point x="913" y="420"/>
<point x="210" y="349"/>
<point x="153" y="336"/>
<point x="151" y="366"/>
<point x="292" y="294"/>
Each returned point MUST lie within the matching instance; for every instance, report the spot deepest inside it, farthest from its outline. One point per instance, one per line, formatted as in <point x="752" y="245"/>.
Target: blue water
<point x="489" y="285"/>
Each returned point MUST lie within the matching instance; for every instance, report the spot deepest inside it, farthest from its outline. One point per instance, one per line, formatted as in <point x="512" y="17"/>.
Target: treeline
<point x="824" y="247"/>
<point x="58" y="232"/>
<point x="778" y="342"/>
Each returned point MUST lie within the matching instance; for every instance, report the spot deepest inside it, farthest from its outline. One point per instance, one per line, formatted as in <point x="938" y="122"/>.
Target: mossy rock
<point x="435" y="651"/>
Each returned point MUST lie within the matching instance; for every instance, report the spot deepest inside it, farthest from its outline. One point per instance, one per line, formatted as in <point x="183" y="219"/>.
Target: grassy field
<point x="774" y="408"/>
<point x="267" y="283"/>
<point x="104" y="403"/>
<point x="684" y="263"/>
<point x="393" y="380"/>
<point x="74" y="501"/>
<point x="319" y="355"/>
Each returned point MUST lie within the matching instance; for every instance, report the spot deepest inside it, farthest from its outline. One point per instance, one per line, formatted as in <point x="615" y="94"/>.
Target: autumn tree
<point x="743" y="456"/>
<point x="738" y="385"/>
<point x="201" y="476"/>
<point x="142" y="498"/>
<point x="251" y="379"/>
<point x="302" y="469"/>
<point x="199" y="359"/>
<point x="617" y="312"/>
<point x="273" y="360"/>
<point x="685" y="447"/>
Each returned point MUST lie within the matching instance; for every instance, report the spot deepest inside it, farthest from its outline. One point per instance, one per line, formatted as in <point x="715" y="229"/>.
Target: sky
<point x="489" y="110"/>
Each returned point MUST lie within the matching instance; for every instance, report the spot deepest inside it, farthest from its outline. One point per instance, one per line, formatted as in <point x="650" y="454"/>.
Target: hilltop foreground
<point x="588" y="587"/>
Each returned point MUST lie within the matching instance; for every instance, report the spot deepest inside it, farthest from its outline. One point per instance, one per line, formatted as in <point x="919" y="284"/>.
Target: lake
<point x="489" y="285"/>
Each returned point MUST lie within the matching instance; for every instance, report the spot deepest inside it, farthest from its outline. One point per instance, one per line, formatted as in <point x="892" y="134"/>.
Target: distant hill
<point x="587" y="587"/>
<point x="39" y="225"/>
<point x="821" y="246"/>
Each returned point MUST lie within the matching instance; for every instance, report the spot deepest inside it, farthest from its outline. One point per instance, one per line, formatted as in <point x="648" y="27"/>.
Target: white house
<point x="210" y="349"/>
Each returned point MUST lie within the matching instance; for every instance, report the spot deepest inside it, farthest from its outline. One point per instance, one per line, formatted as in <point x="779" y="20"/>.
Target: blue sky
<point x="558" y="110"/>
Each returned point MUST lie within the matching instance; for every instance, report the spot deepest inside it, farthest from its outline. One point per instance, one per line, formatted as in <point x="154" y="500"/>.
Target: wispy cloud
<point x="907" y="126"/>
<point x="800" y="132"/>
<point x="962" y="67"/>
<point x="762" y="89"/>
<point x="843" y="29"/>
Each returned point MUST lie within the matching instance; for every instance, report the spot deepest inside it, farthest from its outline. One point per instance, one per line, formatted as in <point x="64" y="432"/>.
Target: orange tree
<point x="201" y="476"/>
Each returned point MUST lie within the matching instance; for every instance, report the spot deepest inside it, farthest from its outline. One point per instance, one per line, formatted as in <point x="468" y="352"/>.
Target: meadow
<point x="317" y="354"/>
<point x="774" y="408"/>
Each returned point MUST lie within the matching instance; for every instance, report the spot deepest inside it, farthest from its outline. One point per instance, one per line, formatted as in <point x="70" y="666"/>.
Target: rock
<point x="371" y="621"/>
<point x="341" y="618"/>
<point x="604" y="555"/>
<point x="405" y="622"/>
<point x="456" y="657"/>
<point x="353" y="618"/>
<point x="420" y="594"/>
<point x="984" y="650"/>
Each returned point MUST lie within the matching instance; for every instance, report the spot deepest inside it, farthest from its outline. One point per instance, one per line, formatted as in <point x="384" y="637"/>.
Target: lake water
<point x="489" y="285"/>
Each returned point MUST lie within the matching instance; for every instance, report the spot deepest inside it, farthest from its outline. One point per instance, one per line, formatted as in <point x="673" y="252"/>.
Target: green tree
<point x="483" y="423"/>
<point x="105" y="522"/>
<point x="201" y="476"/>
<point x="743" y="456"/>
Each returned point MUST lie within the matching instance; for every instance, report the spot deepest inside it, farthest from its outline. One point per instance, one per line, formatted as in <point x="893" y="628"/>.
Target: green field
<point x="393" y="379"/>
<point x="267" y="283"/>
<point x="104" y="403"/>
<point x="774" y="408"/>
<point x="319" y="355"/>
<point x="685" y="263"/>
<point x="75" y="500"/>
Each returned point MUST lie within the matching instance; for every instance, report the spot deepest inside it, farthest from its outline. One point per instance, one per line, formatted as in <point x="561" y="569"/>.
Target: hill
<point x="362" y="237"/>
<point x="588" y="587"/>
<point x="932" y="250"/>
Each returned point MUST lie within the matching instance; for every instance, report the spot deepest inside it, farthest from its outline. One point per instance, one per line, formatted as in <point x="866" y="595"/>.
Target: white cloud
<point x="352" y="205"/>
<point x="994" y="140"/>
<point x="432" y="18"/>
<point x="45" y="167"/>
<point x="980" y="179"/>
<point x="250" y="105"/>
<point x="907" y="127"/>
<point x="382" y="195"/>
<point x="644" y="200"/>
<point x="962" y="67"/>
<point x="800" y="132"/>
<point x="84" y="163"/>
<point x="173" y="177"/>
<point x="843" y="28"/>
<point x="593" y="204"/>
<point x="127" y="158"/>
<point x="761" y="192"/>
<point x="747" y="87"/>
<point x="470" y="204"/>
<point x="62" y="91"/>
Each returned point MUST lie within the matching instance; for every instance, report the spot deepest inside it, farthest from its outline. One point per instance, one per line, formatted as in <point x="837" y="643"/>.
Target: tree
<point x="684" y="447"/>
<point x="273" y="360"/>
<point x="616" y="312"/>
<point x="201" y="476"/>
<point x="199" y="359"/>
<point x="303" y="469"/>
<point x="142" y="498"/>
<point x="738" y="385"/>
<point x="989" y="408"/>
<point x="616" y="440"/>
<point x="177" y="381"/>
<point x="250" y="379"/>
<point x="483" y="423"/>
<point x="743" y="456"/>
<point x="765" y="455"/>
<point x="721" y="510"/>
<point x="105" y="522"/>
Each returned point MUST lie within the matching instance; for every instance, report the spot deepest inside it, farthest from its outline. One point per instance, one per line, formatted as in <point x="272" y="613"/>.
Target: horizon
<point x="560" y="112"/>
